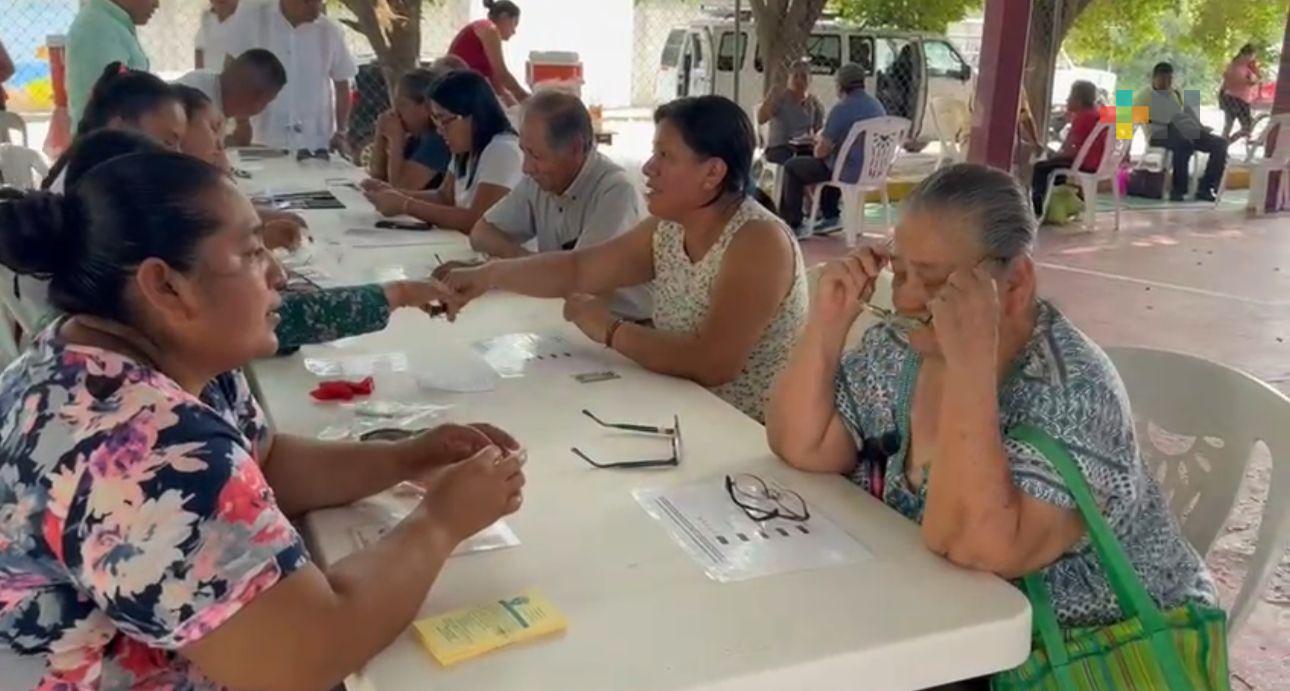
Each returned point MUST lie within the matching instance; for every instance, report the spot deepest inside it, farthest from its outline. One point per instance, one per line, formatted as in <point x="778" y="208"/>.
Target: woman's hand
<point x="846" y="285"/>
<point x="471" y="495"/>
<point x="440" y="272"/>
<point x="388" y="201"/>
<point x="374" y="185"/>
<point x="390" y="126"/>
<point x="419" y="294"/>
<point x="590" y="314"/>
<point x="965" y="315"/>
<point x="466" y="285"/>
<point x="284" y="233"/>
<point x="447" y="444"/>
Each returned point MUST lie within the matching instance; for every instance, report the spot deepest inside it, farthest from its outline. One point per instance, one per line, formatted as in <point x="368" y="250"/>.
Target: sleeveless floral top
<point x="683" y="294"/>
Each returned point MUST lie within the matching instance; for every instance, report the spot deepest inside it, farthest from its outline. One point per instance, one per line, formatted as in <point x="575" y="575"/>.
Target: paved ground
<point x="1211" y="283"/>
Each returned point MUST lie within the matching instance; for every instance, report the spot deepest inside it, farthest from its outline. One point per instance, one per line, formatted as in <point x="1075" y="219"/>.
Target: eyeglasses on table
<point x="673" y="434"/>
<point x="761" y="502"/>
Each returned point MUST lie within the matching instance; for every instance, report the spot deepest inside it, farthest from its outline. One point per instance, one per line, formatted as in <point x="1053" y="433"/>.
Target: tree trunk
<point x="1040" y="68"/>
<point x="783" y="27"/>
<point x="393" y="27"/>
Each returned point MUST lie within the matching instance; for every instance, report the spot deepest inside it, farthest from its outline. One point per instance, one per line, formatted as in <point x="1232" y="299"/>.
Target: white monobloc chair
<point x="1113" y="151"/>
<point x="1198" y="422"/>
<point x="22" y="167"/>
<point x="11" y="121"/>
<point x="1275" y="143"/>
<point x="880" y="140"/>
<point x="953" y="123"/>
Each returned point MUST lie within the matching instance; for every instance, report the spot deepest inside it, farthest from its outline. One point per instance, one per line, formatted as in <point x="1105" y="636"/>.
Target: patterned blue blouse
<point x="1065" y="385"/>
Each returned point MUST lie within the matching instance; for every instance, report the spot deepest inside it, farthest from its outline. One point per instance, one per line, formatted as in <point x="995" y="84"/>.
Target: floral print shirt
<point x="1066" y="386"/>
<point x="134" y="518"/>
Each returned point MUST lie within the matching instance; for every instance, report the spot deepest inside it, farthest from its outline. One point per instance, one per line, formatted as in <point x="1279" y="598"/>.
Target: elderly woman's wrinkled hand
<point x="845" y="286"/>
<point x="966" y="317"/>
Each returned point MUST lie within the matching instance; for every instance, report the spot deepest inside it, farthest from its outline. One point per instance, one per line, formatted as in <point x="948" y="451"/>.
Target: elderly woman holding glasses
<point x="918" y="414"/>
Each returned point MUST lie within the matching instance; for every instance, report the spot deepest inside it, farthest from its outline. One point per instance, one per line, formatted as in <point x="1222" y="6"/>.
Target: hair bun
<point x="39" y="234"/>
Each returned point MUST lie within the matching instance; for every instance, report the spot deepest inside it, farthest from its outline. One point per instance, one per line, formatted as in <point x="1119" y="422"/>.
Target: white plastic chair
<point x="881" y="139"/>
<point x="1276" y="139"/>
<point x="1198" y="422"/>
<point x="22" y="167"/>
<point x="953" y="124"/>
<point x="1113" y="151"/>
<point x="10" y="120"/>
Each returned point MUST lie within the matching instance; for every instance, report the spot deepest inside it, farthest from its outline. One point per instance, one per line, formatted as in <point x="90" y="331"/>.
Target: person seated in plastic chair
<point x="854" y="105"/>
<point x="790" y="114"/>
<point x="1083" y="116"/>
<point x="1176" y="127"/>
<point x="918" y="413"/>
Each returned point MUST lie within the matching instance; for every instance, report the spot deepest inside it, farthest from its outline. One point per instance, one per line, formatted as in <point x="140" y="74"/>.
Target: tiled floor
<point x="1211" y="283"/>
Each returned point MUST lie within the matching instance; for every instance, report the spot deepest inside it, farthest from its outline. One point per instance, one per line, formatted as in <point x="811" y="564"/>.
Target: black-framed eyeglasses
<point x="672" y="433"/>
<point x="442" y="121"/>
<point x="761" y="502"/>
<point x="322" y="154"/>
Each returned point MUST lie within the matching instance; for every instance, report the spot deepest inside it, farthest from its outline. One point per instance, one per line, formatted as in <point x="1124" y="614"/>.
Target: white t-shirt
<point x="500" y="163"/>
<point x="207" y="82"/>
<point x="315" y="56"/>
<point x="214" y="38"/>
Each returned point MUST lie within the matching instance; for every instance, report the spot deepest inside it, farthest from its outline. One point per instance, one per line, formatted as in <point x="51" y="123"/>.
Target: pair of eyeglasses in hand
<point x="672" y="433"/>
<point x="762" y="502"/>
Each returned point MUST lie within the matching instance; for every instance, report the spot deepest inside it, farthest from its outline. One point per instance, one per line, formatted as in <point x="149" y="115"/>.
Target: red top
<point x="1085" y="121"/>
<point x="469" y="48"/>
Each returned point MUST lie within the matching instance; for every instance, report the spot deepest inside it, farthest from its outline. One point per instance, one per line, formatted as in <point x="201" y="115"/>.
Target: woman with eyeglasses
<point x="918" y="413"/>
<point x="486" y="159"/>
<point x="146" y="539"/>
<point x="725" y="273"/>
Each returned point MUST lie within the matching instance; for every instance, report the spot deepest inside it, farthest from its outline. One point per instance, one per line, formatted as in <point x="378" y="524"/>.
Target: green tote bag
<point x="1182" y="649"/>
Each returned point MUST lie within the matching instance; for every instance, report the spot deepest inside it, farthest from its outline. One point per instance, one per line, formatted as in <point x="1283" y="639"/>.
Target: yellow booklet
<point x="471" y="632"/>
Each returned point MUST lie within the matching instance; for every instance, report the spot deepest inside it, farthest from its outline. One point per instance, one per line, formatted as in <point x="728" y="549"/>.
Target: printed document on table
<point x="730" y="546"/>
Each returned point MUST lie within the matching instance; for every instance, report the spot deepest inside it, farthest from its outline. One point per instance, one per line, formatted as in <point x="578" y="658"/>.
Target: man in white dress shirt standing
<point x="306" y="114"/>
<point x="214" y="35"/>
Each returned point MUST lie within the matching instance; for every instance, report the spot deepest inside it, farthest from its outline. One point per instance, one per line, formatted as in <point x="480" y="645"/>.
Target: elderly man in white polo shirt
<point x="312" y="111"/>
<point x="571" y="195"/>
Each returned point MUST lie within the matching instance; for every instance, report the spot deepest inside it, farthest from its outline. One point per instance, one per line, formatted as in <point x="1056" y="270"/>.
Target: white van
<point x="906" y="70"/>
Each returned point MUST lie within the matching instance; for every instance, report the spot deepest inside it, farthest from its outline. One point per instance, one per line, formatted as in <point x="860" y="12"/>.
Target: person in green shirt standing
<point x="102" y="33"/>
